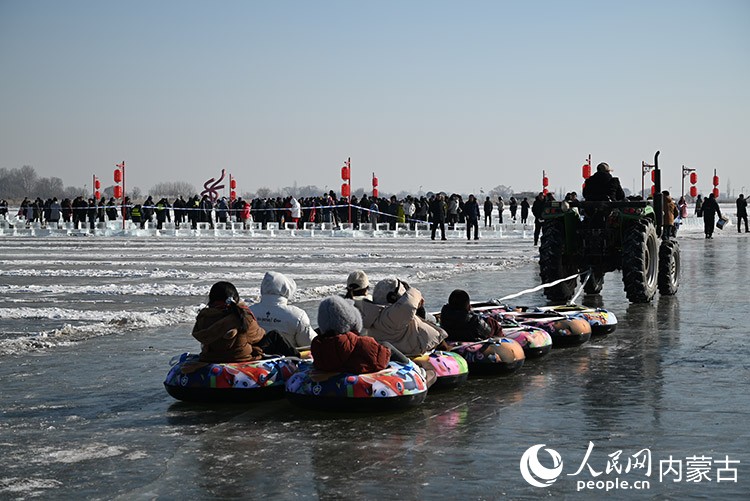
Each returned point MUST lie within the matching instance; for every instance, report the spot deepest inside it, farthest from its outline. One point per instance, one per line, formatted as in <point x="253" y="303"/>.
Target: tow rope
<point x="585" y="274"/>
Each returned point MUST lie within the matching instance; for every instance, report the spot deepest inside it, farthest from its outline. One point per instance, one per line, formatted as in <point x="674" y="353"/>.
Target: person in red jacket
<point x="340" y="348"/>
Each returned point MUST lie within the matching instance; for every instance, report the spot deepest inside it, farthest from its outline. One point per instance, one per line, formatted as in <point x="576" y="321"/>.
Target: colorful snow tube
<point x="451" y="368"/>
<point x="601" y="321"/>
<point x="491" y="356"/>
<point x="397" y="386"/>
<point x="564" y="331"/>
<point x="535" y="342"/>
<point x="191" y="380"/>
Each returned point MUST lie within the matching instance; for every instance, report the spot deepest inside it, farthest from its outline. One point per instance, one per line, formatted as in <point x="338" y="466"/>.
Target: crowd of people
<point x="439" y="210"/>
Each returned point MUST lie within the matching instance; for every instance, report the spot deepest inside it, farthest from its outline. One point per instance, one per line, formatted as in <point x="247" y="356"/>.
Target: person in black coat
<point x="602" y="186"/>
<point x="741" y="213"/>
<point x="710" y="208"/>
<point x="487" y="212"/>
<point x="537" y="209"/>
<point x="471" y="209"/>
<point x="462" y="324"/>
<point x="437" y="215"/>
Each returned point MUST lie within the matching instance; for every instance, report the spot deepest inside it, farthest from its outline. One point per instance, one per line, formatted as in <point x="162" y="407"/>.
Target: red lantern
<point x="97" y="185"/>
<point x="345" y="190"/>
<point x="375" y="193"/>
<point x="693" y="178"/>
<point x="693" y="191"/>
<point x="374" y="181"/>
<point x="586" y="171"/>
<point x="97" y="195"/>
<point x="118" y="176"/>
<point x="545" y="182"/>
<point x="233" y="184"/>
<point x="545" y="192"/>
<point x="653" y="188"/>
<point x="118" y="191"/>
<point x="716" y="192"/>
<point x="716" y="180"/>
<point x="653" y="176"/>
<point x="345" y="174"/>
<point x="232" y="195"/>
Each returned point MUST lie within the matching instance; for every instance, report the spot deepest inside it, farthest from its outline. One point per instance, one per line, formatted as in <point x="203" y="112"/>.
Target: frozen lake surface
<point x="88" y="326"/>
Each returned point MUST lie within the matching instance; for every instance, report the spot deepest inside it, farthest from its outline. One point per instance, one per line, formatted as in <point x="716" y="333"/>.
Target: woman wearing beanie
<point x="340" y="348"/>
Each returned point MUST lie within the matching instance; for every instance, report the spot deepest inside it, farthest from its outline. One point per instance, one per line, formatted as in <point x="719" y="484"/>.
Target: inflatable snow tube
<point x="191" y="380"/>
<point x="535" y="342"/>
<point x="398" y="386"/>
<point x="601" y="321"/>
<point x="491" y="356"/>
<point x="451" y="368"/>
<point x="564" y="331"/>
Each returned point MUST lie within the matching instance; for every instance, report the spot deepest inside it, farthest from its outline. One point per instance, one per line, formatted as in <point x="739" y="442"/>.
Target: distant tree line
<point x="15" y="184"/>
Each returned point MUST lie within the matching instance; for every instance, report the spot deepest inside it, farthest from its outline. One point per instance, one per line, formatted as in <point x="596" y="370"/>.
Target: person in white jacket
<point x="295" y="211"/>
<point x="392" y="316"/>
<point x="273" y="312"/>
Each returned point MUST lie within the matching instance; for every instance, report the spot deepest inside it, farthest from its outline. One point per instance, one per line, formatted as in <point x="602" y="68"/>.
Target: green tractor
<point x="600" y="237"/>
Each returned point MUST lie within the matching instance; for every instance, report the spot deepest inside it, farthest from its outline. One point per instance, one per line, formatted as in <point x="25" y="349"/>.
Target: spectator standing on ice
<point x="699" y="206"/>
<point x="471" y="209"/>
<point x="437" y="215"/>
<point x="524" y="210"/>
<point x="710" y="208"/>
<point x="537" y="209"/>
<point x="222" y="210"/>
<point x="513" y="208"/>
<point x="741" y="213"/>
<point x="274" y="312"/>
<point x="295" y="211"/>
<point x="453" y="211"/>
<point x="55" y="211"/>
<point x="500" y="209"/>
<point x="669" y="209"/>
<point x="162" y="213"/>
<point x="487" y="212"/>
<point x="392" y="317"/>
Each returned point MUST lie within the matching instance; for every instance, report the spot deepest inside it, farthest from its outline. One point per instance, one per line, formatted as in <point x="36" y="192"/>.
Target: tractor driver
<point x="602" y="186"/>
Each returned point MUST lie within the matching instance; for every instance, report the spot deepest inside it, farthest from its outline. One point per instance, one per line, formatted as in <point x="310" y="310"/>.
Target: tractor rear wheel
<point x="669" y="267"/>
<point x="640" y="262"/>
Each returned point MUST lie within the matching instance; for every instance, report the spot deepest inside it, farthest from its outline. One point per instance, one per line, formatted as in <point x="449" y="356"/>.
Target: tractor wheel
<point x="669" y="267"/>
<point x="595" y="283"/>
<point x="552" y="265"/>
<point x="640" y="262"/>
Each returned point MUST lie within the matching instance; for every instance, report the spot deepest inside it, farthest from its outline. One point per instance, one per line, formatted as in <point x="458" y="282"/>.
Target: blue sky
<point x="454" y="96"/>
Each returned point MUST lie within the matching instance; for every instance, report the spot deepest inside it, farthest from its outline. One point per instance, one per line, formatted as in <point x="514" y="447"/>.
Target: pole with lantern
<point x="716" y="186"/>
<point x="693" y="177"/>
<point x="545" y="183"/>
<point x="96" y="185"/>
<point x="586" y="171"/>
<point x="119" y="189"/>
<point x="374" y="186"/>
<point x="346" y="188"/>
<point x="232" y="188"/>
<point x="645" y="169"/>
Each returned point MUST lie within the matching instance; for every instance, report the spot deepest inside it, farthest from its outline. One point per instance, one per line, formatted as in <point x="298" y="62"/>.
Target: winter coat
<point x="54" y="212"/>
<point x="437" y="211"/>
<point x="296" y="209"/>
<point x="602" y="187"/>
<point x="670" y="211"/>
<point x="349" y="352"/>
<point x="399" y="324"/>
<point x="710" y="208"/>
<point x="471" y="209"/>
<point x="274" y="313"/>
<point x="741" y="207"/>
<point x="213" y="328"/>
<point x="464" y="325"/>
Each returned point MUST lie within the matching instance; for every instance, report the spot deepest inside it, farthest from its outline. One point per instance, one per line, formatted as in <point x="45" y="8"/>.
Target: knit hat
<point x="386" y="288"/>
<point x="338" y="315"/>
<point x="357" y="280"/>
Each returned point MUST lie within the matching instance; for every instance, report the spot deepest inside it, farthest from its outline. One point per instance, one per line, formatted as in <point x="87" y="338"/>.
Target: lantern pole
<point x="349" y="198"/>
<point x="685" y="172"/>
<point x="645" y="169"/>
